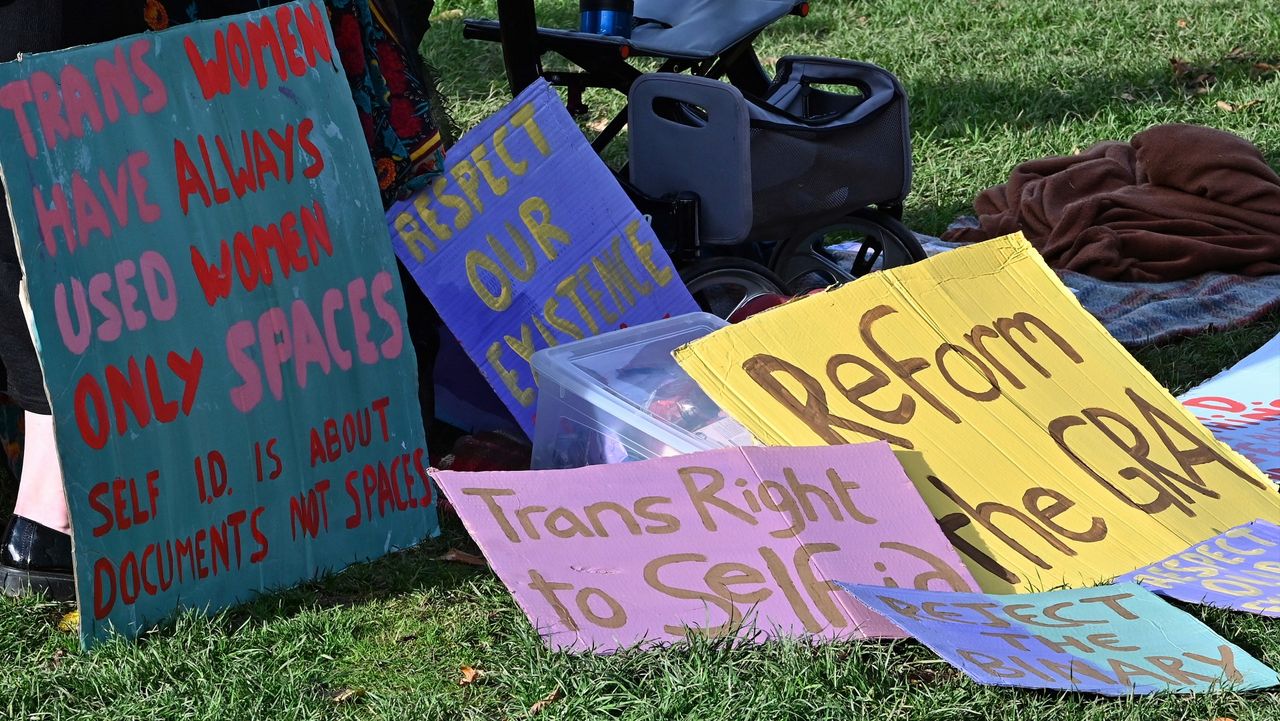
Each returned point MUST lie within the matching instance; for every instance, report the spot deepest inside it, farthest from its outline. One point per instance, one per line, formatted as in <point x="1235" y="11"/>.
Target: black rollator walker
<point x="753" y="184"/>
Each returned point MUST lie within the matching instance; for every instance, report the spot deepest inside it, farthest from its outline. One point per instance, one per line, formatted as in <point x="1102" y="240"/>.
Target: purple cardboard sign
<point x="1111" y="640"/>
<point x="527" y="241"/>
<point x="1239" y="569"/>
<point x="737" y="542"/>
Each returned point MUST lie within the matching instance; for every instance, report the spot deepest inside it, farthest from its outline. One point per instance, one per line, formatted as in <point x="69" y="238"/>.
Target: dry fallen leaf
<point x="599" y="124"/>
<point x="454" y="14"/>
<point x="1194" y="79"/>
<point x="1231" y="108"/>
<point x="453" y="555"/>
<point x="1238" y="53"/>
<point x="70" y="622"/>
<point x="546" y="701"/>
<point x="348" y="695"/>
<point x="1182" y="22"/>
<point x="470" y="675"/>
<point x="56" y="660"/>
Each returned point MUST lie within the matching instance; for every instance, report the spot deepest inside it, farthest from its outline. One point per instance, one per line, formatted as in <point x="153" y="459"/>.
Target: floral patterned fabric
<point x="390" y="98"/>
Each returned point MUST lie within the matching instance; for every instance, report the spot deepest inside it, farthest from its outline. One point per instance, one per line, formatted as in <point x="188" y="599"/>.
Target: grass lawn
<point x="992" y="83"/>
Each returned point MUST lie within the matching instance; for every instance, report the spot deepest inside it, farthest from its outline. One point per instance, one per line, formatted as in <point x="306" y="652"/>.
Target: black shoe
<point x="36" y="558"/>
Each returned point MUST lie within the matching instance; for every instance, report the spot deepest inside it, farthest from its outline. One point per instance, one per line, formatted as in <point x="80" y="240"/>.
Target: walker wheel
<point x="722" y="285"/>
<point x="854" y="246"/>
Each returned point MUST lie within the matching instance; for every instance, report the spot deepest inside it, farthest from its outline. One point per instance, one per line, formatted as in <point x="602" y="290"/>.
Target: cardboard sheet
<point x="528" y="241"/>
<point x="1110" y="640"/>
<point x="1239" y="569"/>
<point x="1047" y="453"/>
<point x="217" y="311"/>
<point x="738" y="542"/>
<point x="1241" y="406"/>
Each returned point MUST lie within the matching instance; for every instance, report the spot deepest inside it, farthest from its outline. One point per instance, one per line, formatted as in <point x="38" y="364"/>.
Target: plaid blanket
<point x="1138" y="314"/>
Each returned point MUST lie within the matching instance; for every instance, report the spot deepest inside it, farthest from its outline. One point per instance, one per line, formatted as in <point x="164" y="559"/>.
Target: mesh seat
<point x="678" y="29"/>
<point x="701" y="29"/>
<point x="817" y="155"/>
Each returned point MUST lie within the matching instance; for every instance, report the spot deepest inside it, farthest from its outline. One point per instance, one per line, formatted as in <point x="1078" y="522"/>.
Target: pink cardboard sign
<point x="740" y="541"/>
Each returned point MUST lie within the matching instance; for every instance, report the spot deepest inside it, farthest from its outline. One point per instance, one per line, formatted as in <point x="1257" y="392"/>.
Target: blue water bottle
<point x="606" y="17"/>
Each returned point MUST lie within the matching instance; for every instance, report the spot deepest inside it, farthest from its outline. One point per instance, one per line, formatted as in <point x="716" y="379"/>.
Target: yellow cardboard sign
<point x="1047" y="454"/>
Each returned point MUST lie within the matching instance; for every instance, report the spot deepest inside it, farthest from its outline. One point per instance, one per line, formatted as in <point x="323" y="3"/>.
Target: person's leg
<point x="424" y="332"/>
<point x="40" y="494"/>
<point x="35" y="548"/>
<point x="32" y="555"/>
<point x="36" y="551"/>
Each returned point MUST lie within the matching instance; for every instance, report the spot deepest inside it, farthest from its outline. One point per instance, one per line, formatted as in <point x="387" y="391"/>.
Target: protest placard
<point x="1047" y="454"/>
<point x="1239" y="569"/>
<point x="528" y="241"/>
<point x="1241" y="406"/>
<point x="1111" y="640"/>
<point x="217" y="312"/>
<point x="735" y="542"/>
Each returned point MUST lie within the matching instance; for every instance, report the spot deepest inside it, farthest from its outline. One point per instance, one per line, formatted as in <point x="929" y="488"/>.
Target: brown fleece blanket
<point x="1175" y="202"/>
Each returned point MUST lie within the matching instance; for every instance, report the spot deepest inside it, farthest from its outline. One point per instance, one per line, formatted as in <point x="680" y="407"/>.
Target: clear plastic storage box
<point x="622" y="397"/>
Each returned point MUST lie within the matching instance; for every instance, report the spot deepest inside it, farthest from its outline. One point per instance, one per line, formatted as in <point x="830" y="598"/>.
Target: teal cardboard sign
<point x="527" y="241"/>
<point x="1111" y="640"/>
<point x="215" y="304"/>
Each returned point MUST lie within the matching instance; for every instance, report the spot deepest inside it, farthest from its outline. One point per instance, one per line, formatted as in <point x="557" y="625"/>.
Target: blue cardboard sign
<point x="527" y="241"/>
<point x="1111" y="640"/>
<point x="1239" y="569"/>
<point x="216" y="308"/>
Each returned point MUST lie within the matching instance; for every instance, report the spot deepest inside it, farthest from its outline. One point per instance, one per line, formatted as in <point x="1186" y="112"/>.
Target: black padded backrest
<point x="691" y="134"/>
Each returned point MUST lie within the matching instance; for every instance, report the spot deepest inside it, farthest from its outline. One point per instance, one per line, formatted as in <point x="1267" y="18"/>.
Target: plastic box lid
<point x="626" y="389"/>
